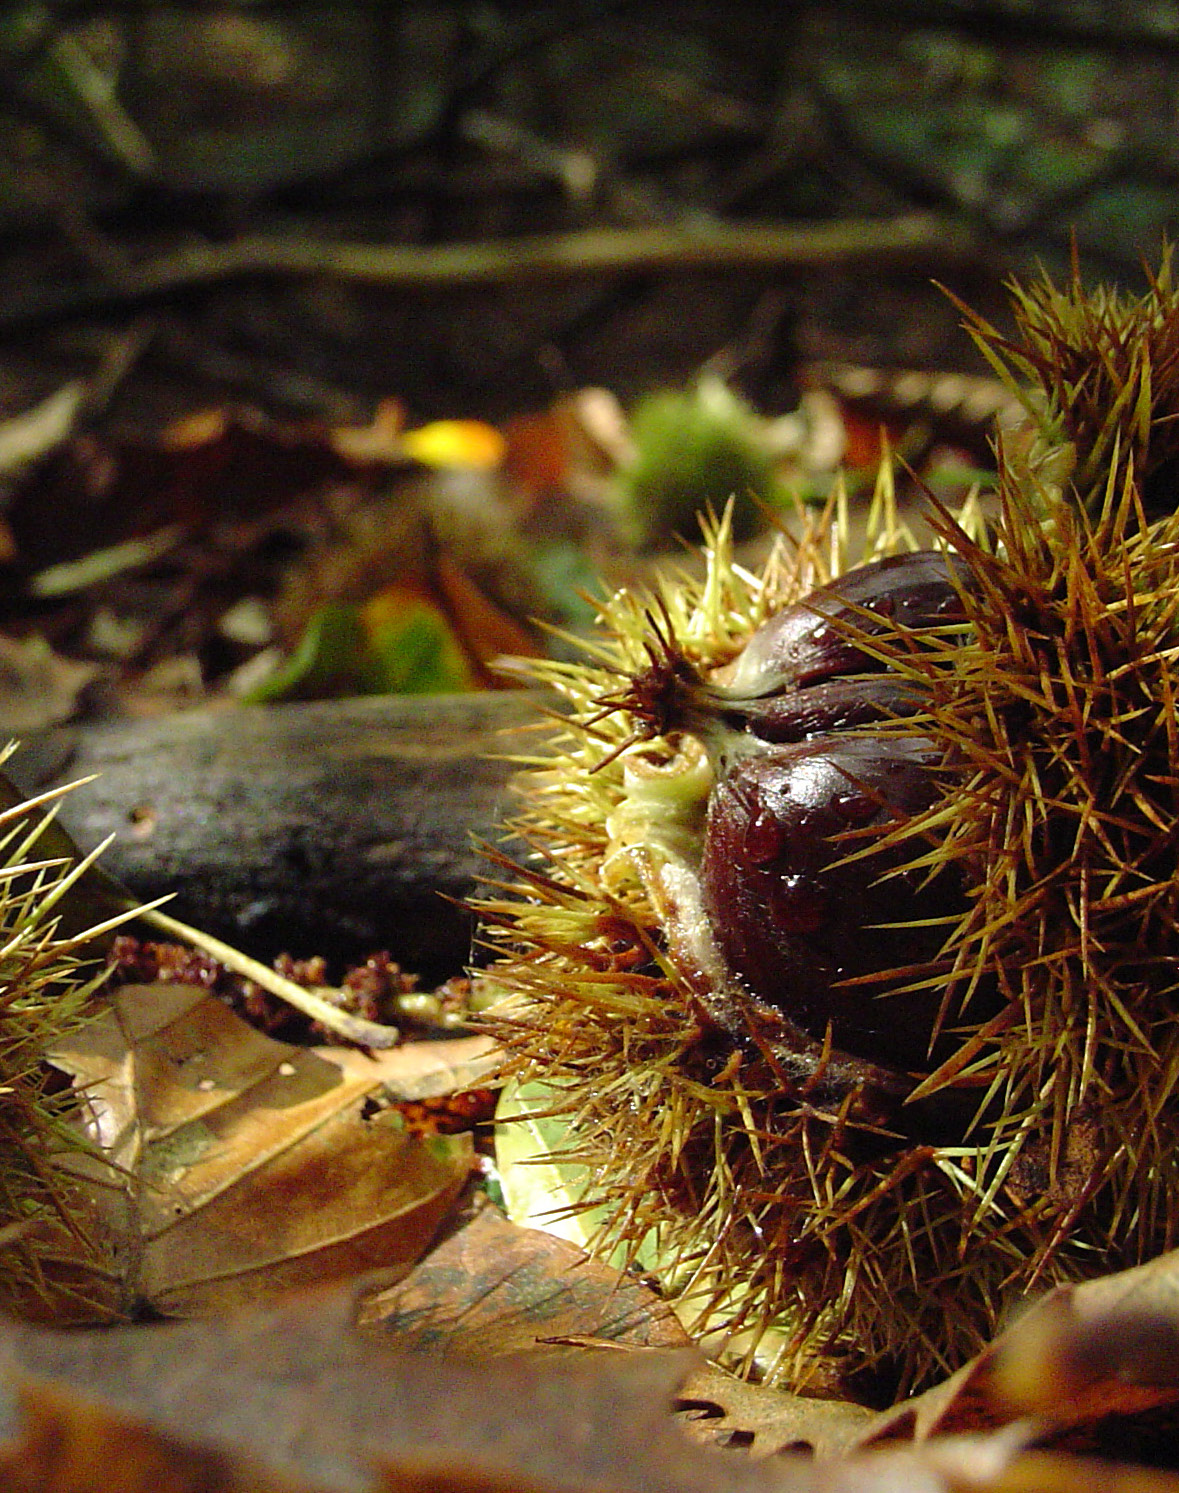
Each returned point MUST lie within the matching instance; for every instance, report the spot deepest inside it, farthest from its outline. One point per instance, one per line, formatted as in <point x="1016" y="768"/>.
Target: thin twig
<point x="343" y="1023"/>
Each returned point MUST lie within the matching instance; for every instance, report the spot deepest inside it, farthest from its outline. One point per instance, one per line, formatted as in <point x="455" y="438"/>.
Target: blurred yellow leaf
<point x="455" y="443"/>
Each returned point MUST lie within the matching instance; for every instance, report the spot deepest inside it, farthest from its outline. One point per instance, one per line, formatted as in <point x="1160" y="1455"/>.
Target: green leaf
<point x="394" y="644"/>
<point x="414" y="652"/>
<point x="330" y="659"/>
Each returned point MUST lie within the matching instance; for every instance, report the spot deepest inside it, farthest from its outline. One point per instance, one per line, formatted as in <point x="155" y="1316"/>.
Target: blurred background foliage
<point x="377" y="330"/>
<point x="128" y="130"/>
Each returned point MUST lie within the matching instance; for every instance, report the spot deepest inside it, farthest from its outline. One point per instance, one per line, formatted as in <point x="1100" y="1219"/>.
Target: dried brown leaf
<point x="296" y="1400"/>
<point x="987" y="1464"/>
<point x="68" y="1444"/>
<point x="719" y="1410"/>
<point x="301" y="1401"/>
<point x="495" y="1288"/>
<point x="237" y="1167"/>
<point x="1081" y="1355"/>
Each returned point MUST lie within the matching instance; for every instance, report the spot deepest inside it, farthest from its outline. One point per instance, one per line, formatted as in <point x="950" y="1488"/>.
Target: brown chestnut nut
<point x="814" y="639"/>
<point x="807" y="668"/>
<point x="832" y="705"/>
<point x="803" y="921"/>
<point x="798" y="916"/>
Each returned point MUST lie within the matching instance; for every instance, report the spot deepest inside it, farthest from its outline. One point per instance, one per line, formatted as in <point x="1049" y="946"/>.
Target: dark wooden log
<point x="338" y="828"/>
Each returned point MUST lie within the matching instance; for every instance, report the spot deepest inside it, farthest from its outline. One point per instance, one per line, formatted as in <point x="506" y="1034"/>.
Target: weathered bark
<point x="337" y="828"/>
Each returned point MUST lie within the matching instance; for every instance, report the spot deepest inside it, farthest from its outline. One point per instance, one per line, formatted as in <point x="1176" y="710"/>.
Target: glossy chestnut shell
<point x="811" y="906"/>
<point x="808" y="928"/>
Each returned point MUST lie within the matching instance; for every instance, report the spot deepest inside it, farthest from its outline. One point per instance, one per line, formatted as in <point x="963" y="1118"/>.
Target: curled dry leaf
<point x="1102" y="1352"/>
<point x="233" y="1168"/>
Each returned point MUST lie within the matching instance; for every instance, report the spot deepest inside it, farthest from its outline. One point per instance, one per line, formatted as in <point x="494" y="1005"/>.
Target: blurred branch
<point x="50" y="77"/>
<point x="875" y="242"/>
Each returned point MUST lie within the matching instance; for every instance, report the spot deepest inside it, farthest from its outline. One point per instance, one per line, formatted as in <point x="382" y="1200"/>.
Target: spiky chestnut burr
<point x="53" y="915"/>
<point x="1098" y="374"/>
<point x="705" y="1105"/>
<point x="995" y="1109"/>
